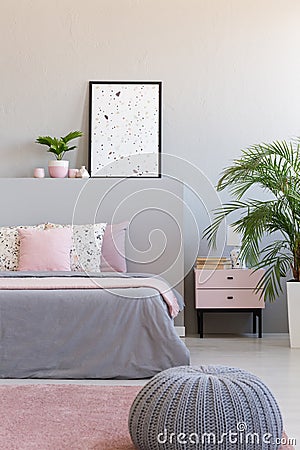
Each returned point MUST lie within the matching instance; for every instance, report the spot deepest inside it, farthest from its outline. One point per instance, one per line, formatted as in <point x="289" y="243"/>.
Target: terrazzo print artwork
<point x="125" y="130"/>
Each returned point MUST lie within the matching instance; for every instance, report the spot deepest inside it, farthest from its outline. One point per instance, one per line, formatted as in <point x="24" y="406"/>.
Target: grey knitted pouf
<point x="208" y="407"/>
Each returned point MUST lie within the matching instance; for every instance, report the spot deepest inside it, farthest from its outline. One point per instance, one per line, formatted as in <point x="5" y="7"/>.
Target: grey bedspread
<point x="121" y="333"/>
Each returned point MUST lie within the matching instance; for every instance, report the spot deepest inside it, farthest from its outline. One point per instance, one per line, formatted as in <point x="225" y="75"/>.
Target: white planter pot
<point x="58" y="169"/>
<point x="293" y="300"/>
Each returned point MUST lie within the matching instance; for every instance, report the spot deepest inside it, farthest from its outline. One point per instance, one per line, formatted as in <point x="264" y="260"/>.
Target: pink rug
<point x="66" y="417"/>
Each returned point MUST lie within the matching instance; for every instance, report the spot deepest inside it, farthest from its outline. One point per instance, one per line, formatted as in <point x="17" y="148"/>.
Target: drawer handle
<point x="230" y="298"/>
<point x="229" y="278"/>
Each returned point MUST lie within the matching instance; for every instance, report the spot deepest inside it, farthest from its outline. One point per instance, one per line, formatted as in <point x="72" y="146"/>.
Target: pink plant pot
<point x="58" y="169"/>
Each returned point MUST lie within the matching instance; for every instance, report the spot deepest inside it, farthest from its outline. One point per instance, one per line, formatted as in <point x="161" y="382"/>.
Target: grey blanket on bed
<point x="122" y="333"/>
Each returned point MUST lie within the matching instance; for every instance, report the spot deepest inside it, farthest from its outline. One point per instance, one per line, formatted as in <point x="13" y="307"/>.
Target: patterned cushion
<point x="10" y="245"/>
<point x="87" y="244"/>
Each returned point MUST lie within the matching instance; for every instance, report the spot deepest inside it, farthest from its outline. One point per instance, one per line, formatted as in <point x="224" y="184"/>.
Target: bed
<point x="76" y="325"/>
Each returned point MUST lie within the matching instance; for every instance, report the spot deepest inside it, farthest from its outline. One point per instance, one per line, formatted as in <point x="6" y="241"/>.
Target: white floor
<point x="269" y="358"/>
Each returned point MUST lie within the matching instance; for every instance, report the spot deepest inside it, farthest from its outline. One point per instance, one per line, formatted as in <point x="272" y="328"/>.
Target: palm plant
<point x="275" y="167"/>
<point x="59" y="146"/>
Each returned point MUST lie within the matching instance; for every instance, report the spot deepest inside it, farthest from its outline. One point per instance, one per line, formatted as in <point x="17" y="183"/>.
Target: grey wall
<point x="230" y="77"/>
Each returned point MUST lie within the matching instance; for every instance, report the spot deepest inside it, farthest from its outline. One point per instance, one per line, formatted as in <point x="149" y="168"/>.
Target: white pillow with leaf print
<point x="10" y="246"/>
<point x="87" y="244"/>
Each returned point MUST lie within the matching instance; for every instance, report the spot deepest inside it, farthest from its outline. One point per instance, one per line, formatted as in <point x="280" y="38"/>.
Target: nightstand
<point x="228" y="290"/>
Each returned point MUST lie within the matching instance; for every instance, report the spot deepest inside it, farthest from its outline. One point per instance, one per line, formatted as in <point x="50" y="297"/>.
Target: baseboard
<point x="239" y="335"/>
<point x="180" y="331"/>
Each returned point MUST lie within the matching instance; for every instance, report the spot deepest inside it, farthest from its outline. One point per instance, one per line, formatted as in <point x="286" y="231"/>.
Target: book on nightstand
<point x="212" y="263"/>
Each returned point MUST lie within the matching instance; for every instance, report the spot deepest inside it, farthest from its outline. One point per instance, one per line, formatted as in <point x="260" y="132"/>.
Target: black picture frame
<point x="125" y="129"/>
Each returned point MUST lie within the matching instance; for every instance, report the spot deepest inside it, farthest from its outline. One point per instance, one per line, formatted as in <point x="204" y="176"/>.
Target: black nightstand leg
<point x="200" y="323"/>
<point x="254" y="322"/>
<point x="260" y="323"/>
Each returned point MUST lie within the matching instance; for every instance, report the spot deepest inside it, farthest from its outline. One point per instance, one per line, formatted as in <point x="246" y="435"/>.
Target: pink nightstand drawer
<point x="228" y="298"/>
<point x="227" y="279"/>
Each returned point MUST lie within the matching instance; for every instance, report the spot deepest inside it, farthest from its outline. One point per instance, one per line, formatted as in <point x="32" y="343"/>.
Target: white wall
<point x="230" y="72"/>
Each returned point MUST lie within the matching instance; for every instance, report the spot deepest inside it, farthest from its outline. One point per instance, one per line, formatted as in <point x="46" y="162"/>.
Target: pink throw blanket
<point x="93" y="283"/>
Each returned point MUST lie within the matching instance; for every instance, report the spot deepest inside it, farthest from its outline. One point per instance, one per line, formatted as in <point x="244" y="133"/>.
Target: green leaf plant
<point x="274" y="167"/>
<point x="59" y="146"/>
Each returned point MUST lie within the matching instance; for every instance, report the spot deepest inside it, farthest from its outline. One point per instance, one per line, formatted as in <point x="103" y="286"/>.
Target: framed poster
<point x="125" y="129"/>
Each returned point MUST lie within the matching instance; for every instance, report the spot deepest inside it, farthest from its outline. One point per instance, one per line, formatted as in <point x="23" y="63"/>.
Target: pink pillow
<point x="113" y="248"/>
<point x="45" y="250"/>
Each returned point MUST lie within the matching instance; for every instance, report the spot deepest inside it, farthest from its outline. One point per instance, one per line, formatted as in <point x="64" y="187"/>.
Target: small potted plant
<point x="275" y="168"/>
<point x="58" y="168"/>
